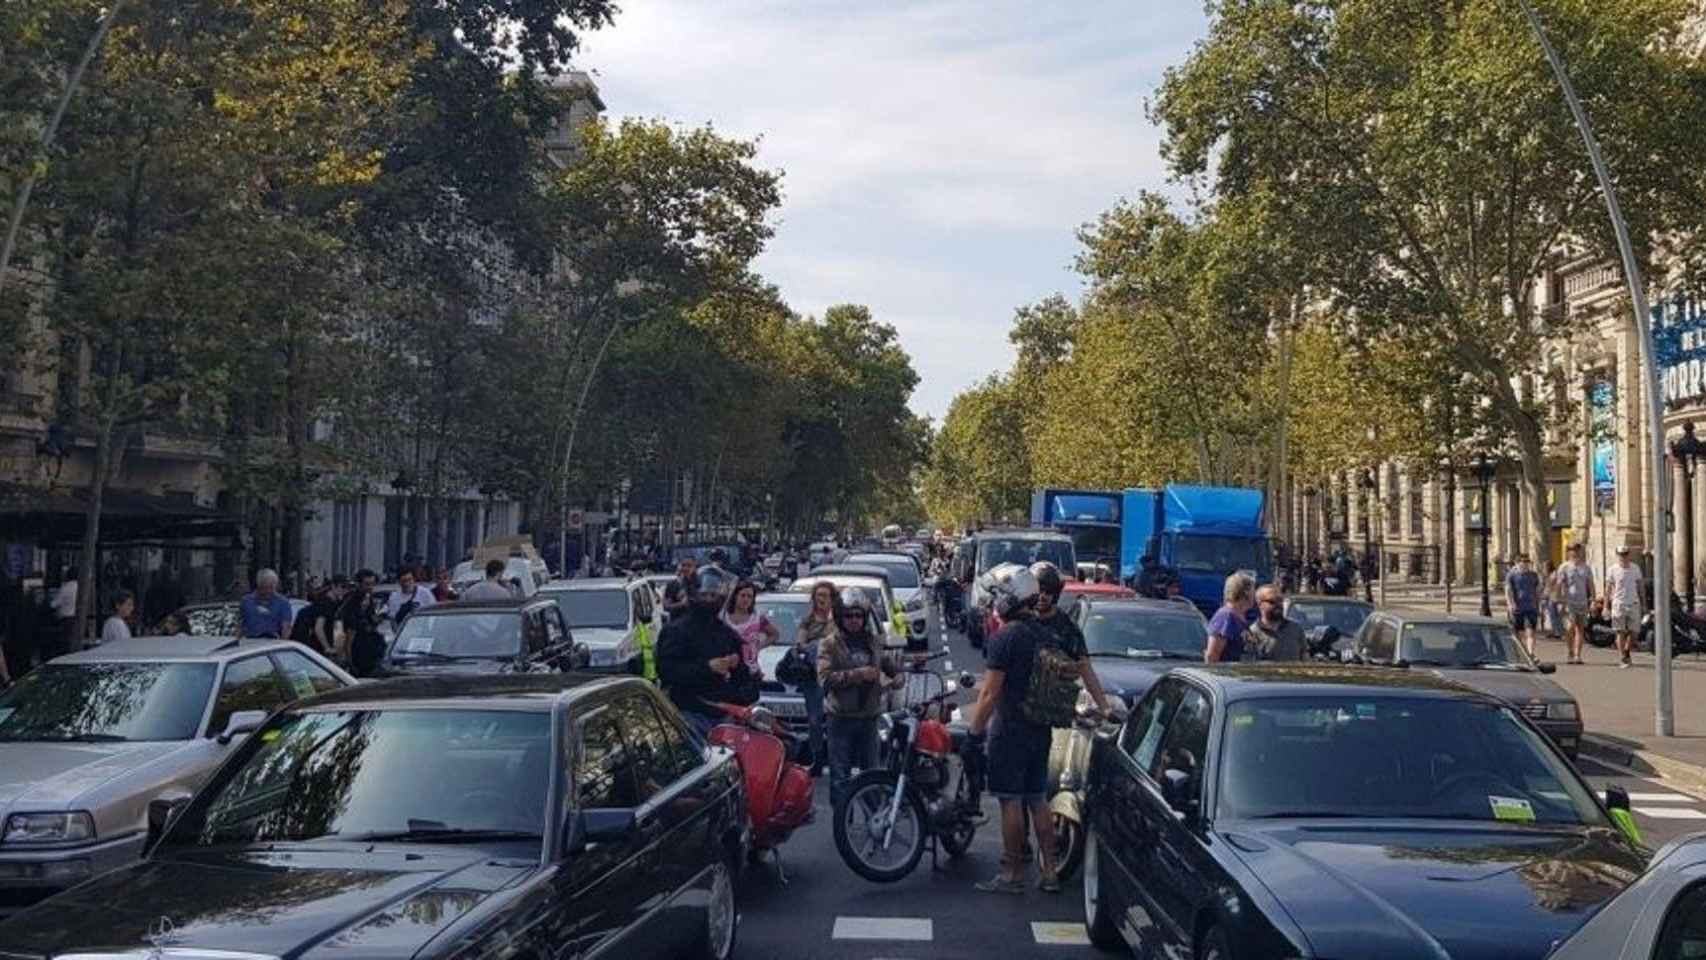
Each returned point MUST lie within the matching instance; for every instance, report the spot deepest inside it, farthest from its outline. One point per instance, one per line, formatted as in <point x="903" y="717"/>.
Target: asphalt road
<point x="825" y="910"/>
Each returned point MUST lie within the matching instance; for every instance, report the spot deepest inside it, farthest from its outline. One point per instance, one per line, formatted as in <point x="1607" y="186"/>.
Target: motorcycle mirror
<point x="967" y="681"/>
<point x="951" y="687"/>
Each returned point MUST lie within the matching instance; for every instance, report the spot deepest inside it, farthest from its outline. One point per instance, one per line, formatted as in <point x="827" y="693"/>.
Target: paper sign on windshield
<point x="1512" y="808"/>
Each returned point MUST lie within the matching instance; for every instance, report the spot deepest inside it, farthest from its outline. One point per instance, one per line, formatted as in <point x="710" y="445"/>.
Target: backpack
<point x="1051" y="698"/>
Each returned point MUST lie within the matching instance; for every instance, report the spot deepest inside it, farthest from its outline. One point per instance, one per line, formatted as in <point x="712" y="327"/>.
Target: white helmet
<point x="1012" y="587"/>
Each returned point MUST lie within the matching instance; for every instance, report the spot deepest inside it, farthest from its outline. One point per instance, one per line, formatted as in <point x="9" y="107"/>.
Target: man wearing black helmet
<point x="1050" y="585"/>
<point x="699" y="661"/>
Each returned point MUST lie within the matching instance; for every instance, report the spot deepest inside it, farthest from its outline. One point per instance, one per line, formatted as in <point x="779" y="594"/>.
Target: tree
<point x="1420" y="156"/>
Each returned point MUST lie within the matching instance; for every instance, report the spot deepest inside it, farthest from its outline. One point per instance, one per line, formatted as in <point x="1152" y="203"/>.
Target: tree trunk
<point x="87" y="589"/>
<point x="1533" y="456"/>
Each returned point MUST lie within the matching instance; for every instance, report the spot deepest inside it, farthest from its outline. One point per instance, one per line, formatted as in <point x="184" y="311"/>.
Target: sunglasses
<point x="853" y="615"/>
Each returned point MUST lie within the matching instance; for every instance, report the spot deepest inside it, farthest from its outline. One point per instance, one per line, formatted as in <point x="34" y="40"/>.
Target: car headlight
<point x="916" y="603"/>
<point x="49" y="827"/>
<point x="1563" y="711"/>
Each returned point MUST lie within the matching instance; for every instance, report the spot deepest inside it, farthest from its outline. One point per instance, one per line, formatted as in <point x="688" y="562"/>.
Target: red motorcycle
<point x="778" y="791"/>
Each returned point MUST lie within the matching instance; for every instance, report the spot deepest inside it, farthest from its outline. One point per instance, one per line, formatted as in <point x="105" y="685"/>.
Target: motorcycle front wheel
<point x="862" y="820"/>
<point x="1068" y="846"/>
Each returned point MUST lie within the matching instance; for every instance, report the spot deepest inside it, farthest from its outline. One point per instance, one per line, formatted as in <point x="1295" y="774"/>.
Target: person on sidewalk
<point x="65" y="612"/>
<point x="1522" y="599"/>
<point x="1623" y="591"/>
<point x="1575" y="582"/>
<point x="117" y="626"/>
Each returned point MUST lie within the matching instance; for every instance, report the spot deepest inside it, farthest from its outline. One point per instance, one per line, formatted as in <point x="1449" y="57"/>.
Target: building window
<point x="1416" y="519"/>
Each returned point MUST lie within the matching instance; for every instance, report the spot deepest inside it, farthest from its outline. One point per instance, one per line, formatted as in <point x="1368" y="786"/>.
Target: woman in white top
<point x="116" y="628"/>
<point x="756" y="631"/>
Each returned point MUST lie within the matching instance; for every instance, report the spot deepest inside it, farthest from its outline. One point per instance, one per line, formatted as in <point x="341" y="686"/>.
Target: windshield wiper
<point x="27" y="737"/>
<point x="435" y="656"/>
<point x="1429" y="663"/>
<point x="1501" y="664"/>
<point x="439" y="835"/>
<point x="1309" y="815"/>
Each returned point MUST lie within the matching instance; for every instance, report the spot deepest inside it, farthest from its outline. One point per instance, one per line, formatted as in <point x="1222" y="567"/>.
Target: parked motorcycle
<point x="1068" y="771"/>
<point x="1688" y="633"/>
<point x="778" y="791"/>
<point x="928" y="796"/>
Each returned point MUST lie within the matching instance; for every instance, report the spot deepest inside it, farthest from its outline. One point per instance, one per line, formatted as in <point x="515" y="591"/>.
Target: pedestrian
<point x="264" y="612"/>
<point x="1576" y="581"/>
<point x="1623" y="591"/>
<point x="754" y="629"/>
<point x="65" y="612"/>
<point x="492" y="587"/>
<point x="699" y="661"/>
<point x="317" y="625"/>
<point x="1522" y="600"/>
<point x="363" y="647"/>
<point x="818" y="623"/>
<point x="1226" y="628"/>
<point x="851" y="669"/>
<point x="117" y="626"/>
<point x="1273" y="636"/>
<point x="441" y="591"/>
<point x="1015" y="681"/>
<point x="678" y="596"/>
<point x="410" y="595"/>
<point x="169" y="626"/>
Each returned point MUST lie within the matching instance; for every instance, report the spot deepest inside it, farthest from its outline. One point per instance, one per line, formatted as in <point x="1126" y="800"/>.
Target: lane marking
<point x="1060" y="934"/>
<point x="885" y="928"/>
<point x="1623" y="771"/>
<point x="1669" y="813"/>
<point x="1660" y="798"/>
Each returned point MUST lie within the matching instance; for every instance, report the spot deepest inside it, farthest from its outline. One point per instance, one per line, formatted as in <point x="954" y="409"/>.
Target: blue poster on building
<point x="1679" y="346"/>
<point x="1603" y="418"/>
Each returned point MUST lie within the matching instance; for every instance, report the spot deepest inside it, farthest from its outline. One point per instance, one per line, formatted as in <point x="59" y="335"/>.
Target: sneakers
<point x="1624" y="665"/>
<point x="1000" y="884"/>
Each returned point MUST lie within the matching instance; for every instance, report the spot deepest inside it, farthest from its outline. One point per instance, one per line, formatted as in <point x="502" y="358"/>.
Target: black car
<point x="1134" y="642"/>
<point x="1662" y="916"/>
<point x="1316" y="810"/>
<point x="1328" y="623"/>
<point x="486" y="636"/>
<point x="468" y="817"/>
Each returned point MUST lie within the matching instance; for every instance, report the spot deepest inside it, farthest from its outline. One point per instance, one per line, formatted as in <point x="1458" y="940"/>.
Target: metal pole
<point x="1664" y="719"/>
<point x="1689" y="465"/>
<point x="1486" y="533"/>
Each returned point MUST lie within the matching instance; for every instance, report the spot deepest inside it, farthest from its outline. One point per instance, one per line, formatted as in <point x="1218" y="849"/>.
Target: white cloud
<point x="926" y="146"/>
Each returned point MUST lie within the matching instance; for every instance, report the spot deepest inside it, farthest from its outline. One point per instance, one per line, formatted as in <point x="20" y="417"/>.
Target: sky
<point x="938" y="157"/>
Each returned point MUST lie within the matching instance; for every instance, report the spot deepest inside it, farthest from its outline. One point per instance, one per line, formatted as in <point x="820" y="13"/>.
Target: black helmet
<point x="1048" y="576"/>
<point x="712" y="586"/>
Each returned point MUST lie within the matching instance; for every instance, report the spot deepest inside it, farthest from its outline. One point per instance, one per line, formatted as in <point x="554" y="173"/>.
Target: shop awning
<point x="56" y="517"/>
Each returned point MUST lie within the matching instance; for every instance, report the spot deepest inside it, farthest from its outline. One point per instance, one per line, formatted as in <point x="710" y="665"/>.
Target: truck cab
<point x="991" y="548"/>
<point x="1204" y="534"/>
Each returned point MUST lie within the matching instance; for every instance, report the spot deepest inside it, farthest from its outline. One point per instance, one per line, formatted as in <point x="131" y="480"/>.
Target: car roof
<point x="1430" y="616"/>
<point x="1021" y="533"/>
<point x="1142" y="605"/>
<point x="498" y="605"/>
<point x="851" y="570"/>
<point x="1246" y="681"/>
<point x="540" y="689"/>
<point x="586" y="583"/>
<point x="896" y="555"/>
<point x="182" y="647"/>
<point x="1329" y="601"/>
<point x="856" y="579"/>
<point x="791" y="596"/>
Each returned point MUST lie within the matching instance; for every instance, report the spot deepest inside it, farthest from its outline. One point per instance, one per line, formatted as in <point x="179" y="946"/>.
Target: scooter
<point x="1068" y="773"/>
<point x="778" y="791"/>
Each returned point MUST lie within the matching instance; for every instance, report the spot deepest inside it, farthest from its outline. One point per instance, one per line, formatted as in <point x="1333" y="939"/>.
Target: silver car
<point x="89" y="740"/>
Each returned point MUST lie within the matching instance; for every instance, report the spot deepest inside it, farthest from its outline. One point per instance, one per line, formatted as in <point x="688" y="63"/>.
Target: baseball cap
<point x="1623" y="551"/>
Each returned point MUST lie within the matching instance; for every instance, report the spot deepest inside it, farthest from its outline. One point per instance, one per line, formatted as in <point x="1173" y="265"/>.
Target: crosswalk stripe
<point x="884" y="928"/>
<point x="1060" y="934"/>
<point x="1670" y="813"/>
<point x="1660" y="798"/>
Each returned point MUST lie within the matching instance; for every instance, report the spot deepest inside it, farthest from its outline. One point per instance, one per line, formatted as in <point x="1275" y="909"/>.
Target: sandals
<point x="1049" y="883"/>
<point x="1000" y="884"/>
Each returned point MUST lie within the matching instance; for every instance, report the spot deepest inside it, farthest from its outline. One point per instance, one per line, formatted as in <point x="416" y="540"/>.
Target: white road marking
<point x="884" y="928"/>
<point x="1060" y="934"/>
<point x="1660" y="798"/>
<point x="1669" y="813"/>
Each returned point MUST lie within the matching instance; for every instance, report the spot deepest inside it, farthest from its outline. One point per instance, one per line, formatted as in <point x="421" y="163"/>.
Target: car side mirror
<point x="598" y="825"/>
<point x="242" y="723"/>
<point x="1176" y="788"/>
<point x="1617" y="804"/>
<point x="581" y="657"/>
<point x="967" y="681"/>
<point x="161" y="812"/>
<point x="1548" y="668"/>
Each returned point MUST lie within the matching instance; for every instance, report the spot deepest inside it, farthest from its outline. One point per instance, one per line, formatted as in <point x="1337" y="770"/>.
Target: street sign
<point x="576" y="518"/>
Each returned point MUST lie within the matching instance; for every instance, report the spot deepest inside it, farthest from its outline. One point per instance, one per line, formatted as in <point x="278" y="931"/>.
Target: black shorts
<point x="1525" y="619"/>
<point x="1018" y="764"/>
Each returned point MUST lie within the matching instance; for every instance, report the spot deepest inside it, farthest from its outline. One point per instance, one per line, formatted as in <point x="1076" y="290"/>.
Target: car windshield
<point x="107" y="701"/>
<point x="1207" y="554"/>
<point x="1347" y="617"/>
<point x="472" y="635"/>
<point x="1462" y="645"/>
<point x="387" y="774"/>
<point x="785" y="615"/>
<point x="593" y="609"/>
<point x="902" y="573"/>
<point x="1025" y="551"/>
<point x="1144" y="634"/>
<point x="1096" y="543"/>
<point x="1438" y="758"/>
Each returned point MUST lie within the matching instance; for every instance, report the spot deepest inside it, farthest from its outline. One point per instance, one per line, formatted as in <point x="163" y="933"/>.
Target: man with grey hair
<point x="264" y="613"/>
<point x="1226" y="628"/>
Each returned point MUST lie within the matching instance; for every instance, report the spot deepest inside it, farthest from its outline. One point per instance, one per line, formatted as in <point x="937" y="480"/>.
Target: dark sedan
<point x="1312" y="810"/>
<point x="1661" y="917"/>
<point x="1327" y="619"/>
<point x="1132" y="642"/>
<point x="525" y="816"/>
<point x="485" y="636"/>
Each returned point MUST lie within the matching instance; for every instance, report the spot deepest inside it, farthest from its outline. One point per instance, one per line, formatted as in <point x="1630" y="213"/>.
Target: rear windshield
<point x="1026" y="551"/>
<point x="593" y="608"/>
<point x="902" y="573"/>
<point x="473" y="635"/>
<point x="106" y="701"/>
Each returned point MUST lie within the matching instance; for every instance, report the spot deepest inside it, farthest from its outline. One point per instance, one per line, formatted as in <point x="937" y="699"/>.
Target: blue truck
<point x="1205" y="534"/>
<point x="1090" y="517"/>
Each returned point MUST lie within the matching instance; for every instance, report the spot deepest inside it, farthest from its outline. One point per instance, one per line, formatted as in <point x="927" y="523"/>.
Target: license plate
<point x="787" y="708"/>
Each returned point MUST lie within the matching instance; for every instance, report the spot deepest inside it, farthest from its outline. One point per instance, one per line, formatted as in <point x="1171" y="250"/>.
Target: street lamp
<point x="1484" y="472"/>
<point x="1688" y="451"/>
<point x="1309" y="495"/>
<point x="405" y="484"/>
<point x="1369" y="486"/>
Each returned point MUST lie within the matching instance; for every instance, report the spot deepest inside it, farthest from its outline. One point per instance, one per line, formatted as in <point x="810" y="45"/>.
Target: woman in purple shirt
<point x="1226" y="628"/>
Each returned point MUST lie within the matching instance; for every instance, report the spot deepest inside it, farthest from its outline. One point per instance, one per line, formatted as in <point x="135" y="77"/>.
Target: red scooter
<point x="778" y="791"/>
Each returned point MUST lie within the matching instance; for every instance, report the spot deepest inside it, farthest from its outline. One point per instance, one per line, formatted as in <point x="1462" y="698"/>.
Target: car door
<point x="249" y="683"/>
<point x="605" y="887"/>
<point x="559" y="645"/>
<point x="1173" y="872"/>
<point x="689" y="842"/>
<point x="1122" y="814"/>
<point x="535" y="639"/>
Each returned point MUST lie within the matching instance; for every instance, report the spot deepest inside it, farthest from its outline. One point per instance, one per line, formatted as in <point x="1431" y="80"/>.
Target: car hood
<point x="600" y="638"/>
<point x="429" y="668"/>
<point x="1130" y="679"/>
<point x="1468" y="893"/>
<point x="1511" y="686"/>
<point x="350" y="902"/>
<point x="52" y="776"/>
<point x="904" y="595"/>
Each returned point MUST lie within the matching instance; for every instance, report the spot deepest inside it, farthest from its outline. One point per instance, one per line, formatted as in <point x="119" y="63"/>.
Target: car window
<point x="659" y="757"/>
<point x="106" y="701"/>
<point x="533" y="630"/>
<point x="1186" y="745"/>
<point x="250" y="684"/>
<point x="453" y="634"/>
<point x="594" y="609"/>
<point x="303" y="676"/>
<point x="1381" y="642"/>
<point x="555" y="630"/>
<point x="604" y="774"/>
<point x="643" y="604"/>
<point x="1684" y="933"/>
<point x="1148" y="725"/>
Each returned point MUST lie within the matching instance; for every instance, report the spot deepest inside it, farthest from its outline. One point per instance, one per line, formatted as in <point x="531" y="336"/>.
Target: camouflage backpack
<point x="1051" y="698"/>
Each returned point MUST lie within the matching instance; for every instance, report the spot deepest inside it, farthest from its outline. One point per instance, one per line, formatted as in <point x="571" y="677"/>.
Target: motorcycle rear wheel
<point x="860" y="818"/>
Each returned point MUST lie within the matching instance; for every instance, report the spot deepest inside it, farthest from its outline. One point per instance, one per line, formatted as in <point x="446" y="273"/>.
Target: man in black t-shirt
<point x="360" y="614"/>
<point x="678" y="596"/>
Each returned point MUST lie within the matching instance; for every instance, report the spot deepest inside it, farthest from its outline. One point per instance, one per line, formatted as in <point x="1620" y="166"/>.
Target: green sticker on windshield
<point x="270" y="735"/>
<point x="1243" y="720"/>
<point x="1365" y="711"/>
<point x="1512" y="808"/>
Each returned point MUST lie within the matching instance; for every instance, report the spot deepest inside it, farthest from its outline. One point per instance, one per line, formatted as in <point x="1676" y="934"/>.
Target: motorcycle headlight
<point x="22" y="828"/>
<point x="1563" y="711"/>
